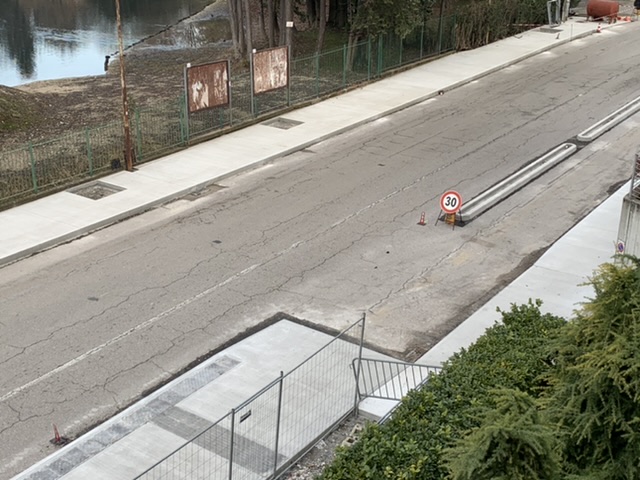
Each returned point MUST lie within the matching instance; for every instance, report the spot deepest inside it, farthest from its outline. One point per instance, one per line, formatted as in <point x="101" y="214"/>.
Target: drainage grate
<point x="95" y="190"/>
<point x="550" y="30"/>
<point x="282" y="123"/>
<point x="203" y="192"/>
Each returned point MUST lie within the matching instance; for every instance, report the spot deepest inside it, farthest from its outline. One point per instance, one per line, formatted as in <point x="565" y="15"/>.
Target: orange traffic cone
<point x="599" y="29"/>
<point x="422" y="222"/>
<point x="56" y="435"/>
<point x="57" y="438"/>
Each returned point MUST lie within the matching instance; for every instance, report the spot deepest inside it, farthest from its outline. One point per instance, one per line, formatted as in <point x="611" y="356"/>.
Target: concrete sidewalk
<point x="57" y="218"/>
<point x="134" y="440"/>
<point x="317" y="394"/>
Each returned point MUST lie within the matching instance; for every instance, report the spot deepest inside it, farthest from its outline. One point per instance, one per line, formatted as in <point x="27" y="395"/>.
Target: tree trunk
<point x="312" y="12"/>
<point x="322" y="24"/>
<point x="282" y="23"/>
<point x="338" y="13"/>
<point x="234" y="23"/>
<point x="271" y="19"/>
<point x="261" y="22"/>
<point x="351" y="51"/>
<point x="247" y="26"/>
<point x="241" y="35"/>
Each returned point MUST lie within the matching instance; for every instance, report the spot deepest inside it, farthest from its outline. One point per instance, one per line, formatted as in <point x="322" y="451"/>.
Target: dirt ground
<point x="323" y="453"/>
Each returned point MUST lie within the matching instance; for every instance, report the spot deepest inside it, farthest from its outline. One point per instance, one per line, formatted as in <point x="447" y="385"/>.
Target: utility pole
<point x="128" y="150"/>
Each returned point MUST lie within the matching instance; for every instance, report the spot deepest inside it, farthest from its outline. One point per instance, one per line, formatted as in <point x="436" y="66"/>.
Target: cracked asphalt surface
<point x="324" y="235"/>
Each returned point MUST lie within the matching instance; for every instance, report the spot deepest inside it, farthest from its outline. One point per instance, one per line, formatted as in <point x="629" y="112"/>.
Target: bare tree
<point x="234" y="20"/>
<point x="271" y="20"/>
<point x="312" y="12"/>
<point x="282" y="22"/>
<point x="240" y="19"/>
<point x="247" y="25"/>
<point x="322" y="24"/>
<point x="262" y="19"/>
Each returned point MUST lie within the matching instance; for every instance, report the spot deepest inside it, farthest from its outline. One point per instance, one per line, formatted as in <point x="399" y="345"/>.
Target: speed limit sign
<point x="450" y="202"/>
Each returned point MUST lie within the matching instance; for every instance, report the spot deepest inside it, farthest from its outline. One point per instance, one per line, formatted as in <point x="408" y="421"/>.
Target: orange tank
<point x="603" y="9"/>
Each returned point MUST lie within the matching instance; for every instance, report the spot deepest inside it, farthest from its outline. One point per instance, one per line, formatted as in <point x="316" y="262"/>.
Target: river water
<point x="49" y="39"/>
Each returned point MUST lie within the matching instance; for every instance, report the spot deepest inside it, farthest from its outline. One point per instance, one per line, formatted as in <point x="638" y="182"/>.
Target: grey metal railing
<point x="266" y="434"/>
<point x="390" y="380"/>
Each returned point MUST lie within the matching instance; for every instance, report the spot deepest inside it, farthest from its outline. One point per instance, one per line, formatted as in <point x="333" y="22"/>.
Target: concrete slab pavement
<point x="314" y="396"/>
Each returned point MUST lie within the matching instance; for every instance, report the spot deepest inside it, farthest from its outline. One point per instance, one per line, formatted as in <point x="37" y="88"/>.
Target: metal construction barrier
<point x="634" y="192"/>
<point x="42" y="167"/>
<point x="269" y="432"/>
<point x="390" y="380"/>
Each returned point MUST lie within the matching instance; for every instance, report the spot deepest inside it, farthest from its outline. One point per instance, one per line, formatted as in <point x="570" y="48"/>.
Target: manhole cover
<point x="95" y="190"/>
<point x="203" y="192"/>
<point x="282" y="123"/>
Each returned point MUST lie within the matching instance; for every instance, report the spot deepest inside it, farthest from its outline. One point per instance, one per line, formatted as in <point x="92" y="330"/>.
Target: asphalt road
<point x="324" y="235"/>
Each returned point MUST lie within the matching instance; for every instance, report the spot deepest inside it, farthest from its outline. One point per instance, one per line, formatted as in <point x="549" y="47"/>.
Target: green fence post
<point x="289" y="75"/>
<point x="454" y="30"/>
<point x="380" y="65"/>
<point x="369" y="59"/>
<point x="440" y="32"/>
<point x="344" y="65"/>
<point x="317" y="59"/>
<point x="87" y="139"/>
<point x="230" y="90"/>
<point x="34" y="177"/>
<point x="138" y="134"/>
<point x="184" y="124"/>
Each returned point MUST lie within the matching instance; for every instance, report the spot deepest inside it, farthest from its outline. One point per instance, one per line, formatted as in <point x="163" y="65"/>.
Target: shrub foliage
<point x="534" y="398"/>
<point x="410" y="445"/>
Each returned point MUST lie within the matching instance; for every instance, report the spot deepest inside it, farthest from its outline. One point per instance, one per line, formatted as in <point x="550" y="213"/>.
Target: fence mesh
<point x="204" y="457"/>
<point x="156" y="130"/>
<point x="635" y="179"/>
<point x="266" y="434"/>
<point x="318" y="394"/>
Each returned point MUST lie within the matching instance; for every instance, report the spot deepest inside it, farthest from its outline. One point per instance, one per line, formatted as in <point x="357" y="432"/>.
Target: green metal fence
<point x="43" y="167"/>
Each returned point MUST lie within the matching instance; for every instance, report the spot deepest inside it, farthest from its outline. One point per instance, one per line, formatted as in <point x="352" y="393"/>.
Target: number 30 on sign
<point x="450" y="202"/>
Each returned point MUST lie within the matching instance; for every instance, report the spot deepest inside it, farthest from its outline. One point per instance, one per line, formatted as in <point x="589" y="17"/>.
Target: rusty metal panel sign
<point x="207" y="86"/>
<point x="270" y="69"/>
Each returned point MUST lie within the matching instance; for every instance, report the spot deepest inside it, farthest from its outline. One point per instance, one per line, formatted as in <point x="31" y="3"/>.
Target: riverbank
<point x="154" y="74"/>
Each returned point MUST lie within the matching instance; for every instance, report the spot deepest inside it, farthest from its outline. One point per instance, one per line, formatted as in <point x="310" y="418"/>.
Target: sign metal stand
<point x="450" y="205"/>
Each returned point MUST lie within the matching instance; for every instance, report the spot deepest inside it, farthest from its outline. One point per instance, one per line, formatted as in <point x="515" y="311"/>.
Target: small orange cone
<point x="599" y="29"/>
<point x="57" y="438"/>
<point x="422" y="222"/>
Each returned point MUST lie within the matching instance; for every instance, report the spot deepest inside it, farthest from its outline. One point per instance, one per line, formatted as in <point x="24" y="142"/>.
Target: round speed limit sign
<point x="450" y="202"/>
